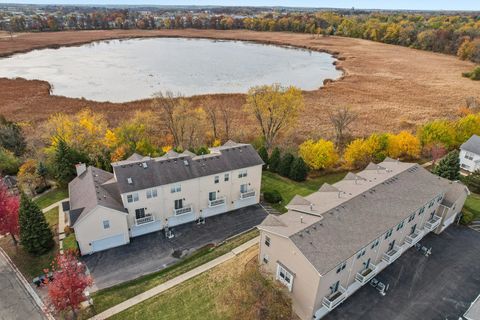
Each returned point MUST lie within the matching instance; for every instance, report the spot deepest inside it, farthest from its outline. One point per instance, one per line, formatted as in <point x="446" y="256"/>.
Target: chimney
<point x="81" y="168"/>
<point x="301" y="219"/>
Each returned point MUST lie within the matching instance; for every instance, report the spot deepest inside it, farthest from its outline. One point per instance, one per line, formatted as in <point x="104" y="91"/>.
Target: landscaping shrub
<point x="299" y="170"/>
<point x="262" y="152"/>
<point x="285" y="164"/>
<point x="449" y="166"/>
<point x="274" y="160"/>
<point x="272" y="196"/>
<point x="467" y="217"/>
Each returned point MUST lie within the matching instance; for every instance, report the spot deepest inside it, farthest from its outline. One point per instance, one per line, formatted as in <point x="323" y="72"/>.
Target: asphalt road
<point x="15" y="302"/>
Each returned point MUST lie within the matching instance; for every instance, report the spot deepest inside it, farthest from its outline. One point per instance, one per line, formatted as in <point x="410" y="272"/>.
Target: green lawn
<point x="202" y="297"/>
<point x="109" y="297"/>
<point x="288" y="188"/>
<point x="51" y="197"/>
<point x="52" y="218"/>
<point x="472" y="205"/>
<point x="70" y="242"/>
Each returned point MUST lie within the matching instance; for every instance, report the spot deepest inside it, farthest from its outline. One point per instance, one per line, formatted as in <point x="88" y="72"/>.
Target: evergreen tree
<point x="262" y="152"/>
<point x="299" y="170"/>
<point x="42" y="172"/>
<point x="449" y="166"/>
<point x="35" y="233"/>
<point x="11" y="137"/>
<point x="64" y="162"/>
<point x="274" y="160"/>
<point x="285" y="164"/>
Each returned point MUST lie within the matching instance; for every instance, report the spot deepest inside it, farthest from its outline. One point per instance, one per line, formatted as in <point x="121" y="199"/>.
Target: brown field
<point x="391" y="87"/>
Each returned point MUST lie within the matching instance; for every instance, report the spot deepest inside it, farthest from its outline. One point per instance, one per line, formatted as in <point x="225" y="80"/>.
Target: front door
<point x="414" y="227"/>
<point x="212" y="196"/>
<point x="178" y="204"/>
<point x="391" y="245"/>
<point x="367" y="263"/>
<point x="140" y="213"/>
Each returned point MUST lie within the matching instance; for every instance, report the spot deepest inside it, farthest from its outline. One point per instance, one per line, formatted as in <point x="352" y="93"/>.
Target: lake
<point x="133" y="69"/>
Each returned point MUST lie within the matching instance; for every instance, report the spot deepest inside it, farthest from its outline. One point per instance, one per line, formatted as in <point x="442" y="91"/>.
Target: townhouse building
<point x="470" y="154"/>
<point x="336" y="240"/>
<point x="145" y="195"/>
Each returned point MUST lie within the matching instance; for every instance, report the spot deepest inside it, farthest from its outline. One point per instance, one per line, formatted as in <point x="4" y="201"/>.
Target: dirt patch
<point x="391" y="87"/>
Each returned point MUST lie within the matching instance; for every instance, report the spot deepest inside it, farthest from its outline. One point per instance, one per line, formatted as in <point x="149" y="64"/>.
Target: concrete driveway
<point x="15" y="302"/>
<point x="441" y="286"/>
<point x="153" y="252"/>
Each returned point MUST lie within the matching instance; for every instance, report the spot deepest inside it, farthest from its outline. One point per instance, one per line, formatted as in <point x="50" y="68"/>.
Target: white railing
<point x="334" y="299"/>
<point x="217" y="202"/>
<point x="247" y="194"/>
<point x="414" y="237"/>
<point x="365" y="275"/>
<point x="393" y="254"/>
<point x="184" y="210"/>
<point x="147" y="219"/>
<point x="433" y="223"/>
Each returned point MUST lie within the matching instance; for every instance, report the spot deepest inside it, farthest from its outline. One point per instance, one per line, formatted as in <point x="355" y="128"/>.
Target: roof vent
<point x="145" y="166"/>
<point x="185" y="162"/>
<point x="129" y="180"/>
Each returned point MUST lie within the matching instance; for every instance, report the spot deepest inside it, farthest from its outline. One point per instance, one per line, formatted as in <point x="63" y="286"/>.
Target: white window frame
<point x="216" y="179"/>
<point x="268" y="241"/>
<point x="469" y="155"/>
<point x="152" y="193"/>
<point x="133" y="197"/>
<point x="266" y="259"/>
<point x="226" y="177"/>
<point x="242" y="174"/>
<point x="286" y="279"/>
<point x="175" y="188"/>
<point x="106" y="224"/>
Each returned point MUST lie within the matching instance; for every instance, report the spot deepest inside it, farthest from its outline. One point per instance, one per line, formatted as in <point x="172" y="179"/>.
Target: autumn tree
<point x="67" y="291"/>
<point x="28" y="176"/>
<point x="319" y="154"/>
<point x="9" y="163"/>
<point x="403" y="145"/>
<point x="437" y="131"/>
<point x="275" y="108"/>
<point x="211" y="110"/>
<point x="256" y="296"/>
<point x="466" y="127"/>
<point x="35" y="233"/>
<point x="9" y="205"/>
<point x="449" y="166"/>
<point x="362" y="151"/>
<point x="341" y="120"/>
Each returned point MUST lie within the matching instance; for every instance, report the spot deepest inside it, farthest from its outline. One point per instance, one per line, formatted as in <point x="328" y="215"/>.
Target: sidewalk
<point x="175" y="281"/>
<point x="61" y="221"/>
<point x="50" y="207"/>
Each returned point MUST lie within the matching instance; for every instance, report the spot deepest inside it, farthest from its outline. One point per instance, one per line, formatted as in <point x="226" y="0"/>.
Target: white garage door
<point x="107" y="243"/>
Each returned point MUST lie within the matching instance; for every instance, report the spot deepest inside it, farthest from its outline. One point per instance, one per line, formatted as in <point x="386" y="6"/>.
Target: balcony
<point x="392" y="255"/>
<point x="146" y="219"/>
<point x="333" y="300"/>
<point x="183" y="210"/>
<point x="433" y="223"/>
<point x="247" y="194"/>
<point x="220" y="201"/>
<point x="365" y="275"/>
<point x="414" y="237"/>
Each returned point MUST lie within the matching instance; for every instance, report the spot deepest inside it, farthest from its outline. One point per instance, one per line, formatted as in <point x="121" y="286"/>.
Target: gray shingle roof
<point x="161" y="171"/>
<point x="472" y="145"/>
<point x="347" y="228"/>
<point x="94" y="187"/>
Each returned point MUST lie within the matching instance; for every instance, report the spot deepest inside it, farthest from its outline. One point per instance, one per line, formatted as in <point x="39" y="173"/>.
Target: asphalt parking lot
<point x="441" y="286"/>
<point x="153" y="252"/>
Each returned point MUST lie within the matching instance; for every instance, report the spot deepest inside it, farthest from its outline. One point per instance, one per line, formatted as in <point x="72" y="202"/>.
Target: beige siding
<point x="90" y="227"/>
<point x="306" y="279"/>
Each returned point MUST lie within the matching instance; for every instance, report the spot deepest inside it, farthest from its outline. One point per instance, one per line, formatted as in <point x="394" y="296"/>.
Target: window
<point x="132" y="197"/>
<point x="267" y="241"/>
<point x="175" y="188"/>
<point x="217" y="179"/>
<point x="400" y="225"/>
<point x="422" y="210"/>
<point x="106" y="224"/>
<point x="430" y="204"/>
<point x="410" y="219"/>
<point x="341" y="267"/>
<point x="334" y="287"/>
<point x="226" y="177"/>
<point x="152" y="193"/>
<point x="388" y="234"/>
<point x="375" y="244"/>
<point x="179" y="204"/>
<point x="361" y="253"/>
<point x="469" y="156"/>
<point x="465" y="166"/>
<point x="265" y="258"/>
<point x="212" y="195"/>
<point x="242" y="174"/>
<point x="284" y="277"/>
<point x="243" y="188"/>
<point x="140" y="213"/>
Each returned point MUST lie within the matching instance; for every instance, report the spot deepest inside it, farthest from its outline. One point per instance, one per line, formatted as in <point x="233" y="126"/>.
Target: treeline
<point x="450" y="34"/>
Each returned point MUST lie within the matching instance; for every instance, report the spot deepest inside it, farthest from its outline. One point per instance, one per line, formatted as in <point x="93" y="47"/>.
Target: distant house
<point x="332" y="242"/>
<point x="144" y="194"/>
<point x="470" y="154"/>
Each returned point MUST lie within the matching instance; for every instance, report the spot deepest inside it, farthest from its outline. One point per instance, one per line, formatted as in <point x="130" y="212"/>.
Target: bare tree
<point x="168" y="103"/>
<point x="341" y="118"/>
<point x="227" y="120"/>
<point x="210" y="108"/>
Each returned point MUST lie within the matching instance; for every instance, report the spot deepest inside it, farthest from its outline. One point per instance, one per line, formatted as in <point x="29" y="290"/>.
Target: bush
<point x="274" y="160"/>
<point x="299" y="170"/>
<point x="9" y="164"/>
<point x="272" y="196"/>
<point x="285" y="165"/>
<point x="467" y="217"/>
<point x="473" y="75"/>
<point x="262" y="152"/>
<point x="319" y="154"/>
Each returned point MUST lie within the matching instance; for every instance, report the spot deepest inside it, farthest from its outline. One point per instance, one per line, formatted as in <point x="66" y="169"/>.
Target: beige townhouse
<point x="145" y="194"/>
<point x="337" y="239"/>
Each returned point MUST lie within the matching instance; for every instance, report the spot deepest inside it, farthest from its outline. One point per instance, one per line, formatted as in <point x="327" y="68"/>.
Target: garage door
<point x="107" y="243"/>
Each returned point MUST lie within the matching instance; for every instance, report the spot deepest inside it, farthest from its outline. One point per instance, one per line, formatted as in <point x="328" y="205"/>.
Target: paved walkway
<point x="175" y="281"/>
<point x="61" y="221"/>
<point x="17" y="298"/>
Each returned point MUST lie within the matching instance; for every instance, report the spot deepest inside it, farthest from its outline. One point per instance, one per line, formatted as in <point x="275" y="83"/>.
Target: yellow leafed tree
<point x="403" y="145"/>
<point x="319" y="154"/>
